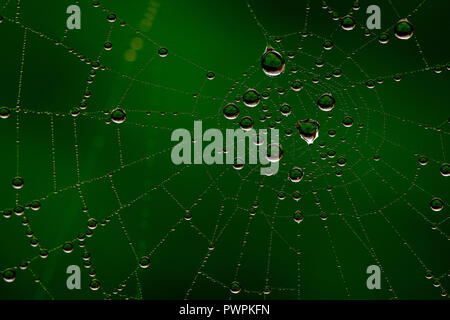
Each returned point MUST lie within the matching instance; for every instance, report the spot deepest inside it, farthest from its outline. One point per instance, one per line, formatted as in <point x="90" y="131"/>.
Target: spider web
<point x="219" y="225"/>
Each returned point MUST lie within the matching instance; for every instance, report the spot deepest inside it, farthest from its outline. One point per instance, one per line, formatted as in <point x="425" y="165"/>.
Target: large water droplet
<point x="308" y="129"/>
<point x="403" y="29"/>
<point x="272" y="62"/>
<point x="118" y="116"/>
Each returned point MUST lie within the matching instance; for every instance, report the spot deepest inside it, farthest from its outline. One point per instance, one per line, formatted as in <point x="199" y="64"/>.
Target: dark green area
<point x="106" y="196"/>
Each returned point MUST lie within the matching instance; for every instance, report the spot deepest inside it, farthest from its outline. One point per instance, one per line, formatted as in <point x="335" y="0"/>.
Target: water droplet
<point x="337" y="72"/>
<point x="281" y="195"/>
<point x="43" y="253"/>
<point x="326" y="102"/>
<point x="187" y="216"/>
<point x="23" y="265"/>
<point x="341" y="161"/>
<point x="274" y="152"/>
<point x="328" y="45"/>
<point x="246" y="123"/>
<point x="18" y="183"/>
<point x="298" y="216"/>
<point x="438" y="69"/>
<point x="9" y="275"/>
<point x="67" y="247"/>
<point x="235" y="287"/>
<point x="296" y="195"/>
<point x="75" y="112"/>
<point x="319" y="62"/>
<point x="238" y="163"/>
<point x="35" y="205"/>
<point x="323" y="216"/>
<point x="7" y="214"/>
<point x="436" y="204"/>
<point x="4" y="113"/>
<point x="118" y="116"/>
<point x="94" y="284"/>
<point x="285" y="109"/>
<point x="332" y="132"/>
<point x="144" y="262"/>
<point x="267" y="289"/>
<point x="265" y="95"/>
<point x="111" y="17"/>
<point x="295" y="174"/>
<point x="403" y="29"/>
<point x="348" y="23"/>
<point x="163" y="52"/>
<point x="272" y="62"/>
<point x="445" y="169"/>
<point x="383" y="38"/>
<point x="436" y="283"/>
<point x="423" y="160"/>
<point x="19" y="210"/>
<point x="231" y="111"/>
<point x="296" y="85"/>
<point x="370" y="84"/>
<point x="107" y="46"/>
<point x="92" y="223"/>
<point x="347" y="121"/>
<point x="251" y="98"/>
<point x="308" y="129"/>
<point x="397" y="77"/>
<point x="210" y="75"/>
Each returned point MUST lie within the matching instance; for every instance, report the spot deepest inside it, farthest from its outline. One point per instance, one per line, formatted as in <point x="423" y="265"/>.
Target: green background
<point x="87" y="167"/>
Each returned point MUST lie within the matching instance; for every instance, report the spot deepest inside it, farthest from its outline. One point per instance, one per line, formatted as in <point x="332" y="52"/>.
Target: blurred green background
<point x="61" y="85"/>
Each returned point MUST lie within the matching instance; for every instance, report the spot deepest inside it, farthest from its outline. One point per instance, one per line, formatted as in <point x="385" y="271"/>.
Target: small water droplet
<point x="118" y="116"/>
<point x="326" y="102"/>
<point x="308" y="129"/>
